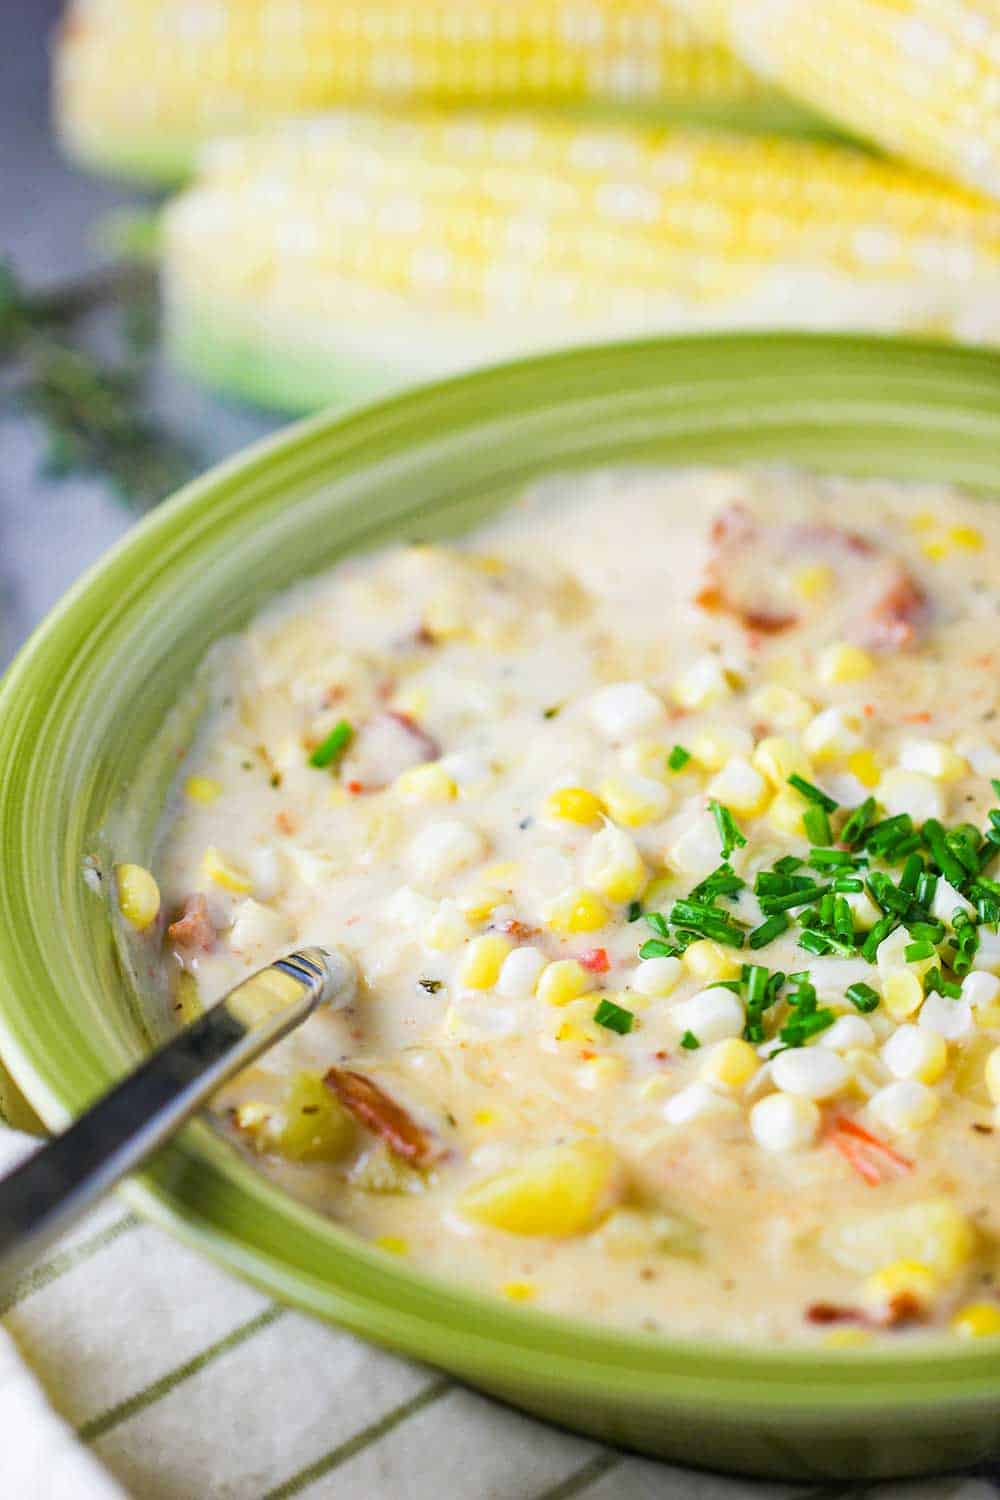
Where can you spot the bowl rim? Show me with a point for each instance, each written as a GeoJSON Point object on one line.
{"type": "Point", "coordinates": [380, 1297]}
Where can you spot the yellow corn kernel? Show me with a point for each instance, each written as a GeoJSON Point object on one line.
{"type": "Point", "coordinates": [484, 1119]}
{"type": "Point", "coordinates": [712, 748]}
{"type": "Point", "coordinates": [968, 537]}
{"type": "Point", "coordinates": [601, 1072]}
{"type": "Point", "coordinates": [730, 1063]}
{"type": "Point", "coordinates": [846, 1338]}
{"type": "Point", "coordinates": [563, 981]}
{"type": "Point", "coordinates": [576, 911]}
{"type": "Point", "coordinates": [186, 1002]}
{"type": "Point", "coordinates": [426, 783]}
{"type": "Point", "coordinates": [777, 758]}
{"type": "Point", "coordinates": [202, 789]}
{"type": "Point", "coordinates": [138, 896]}
{"type": "Point", "coordinates": [902, 993]}
{"type": "Point", "coordinates": [576, 1023]}
{"type": "Point", "coordinates": [923, 520]}
{"type": "Point", "coordinates": [656, 1087]}
{"type": "Point", "coordinates": [782, 707]}
{"type": "Point", "coordinates": [478, 905]}
{"type": "Point", "coordinates": [706, 681]}
{"type": "Point", "coordinates": [977, 1320]}
{"type": "Point", "coordinates": [649, 758]}
{"type": "Point", "coordinates": [992, 1075]}
{"type": "Point", "coordinates": [708, 961]}
{"type": "Point", "coordinates": [558, 1190]}
{"type": "Point", "coordinates": [935, 550]}
{"type": "Point", "coordinates": [482, 961]}
{"type": "Point", "coordinates": [574, 804]}
{"type": "Point", "coordinates": [864, 766]}
{"type": "Point", "coordinates": [393, 1244]}
{"type": "Point", "coordinates": [866, 1073]}
{"type": "Point", "coordinates": [229, 876]}
{"type": "Point", "coordinates": [741, 788]}
{"type": "Point", "coordinates": [519, 1291]}
{"type": "Point", "coordinates": [613, 865]}
{"type": "Point", "coordinates": [843, 662]}
{"type": "Point", "coordinates": [786, 812]}
{"type": "Point", "coordinates": [901, 1278]}
{"type": "Point", "coordinates": [813, 582]}
{"type": "Point", "coordinates": [634, 802]}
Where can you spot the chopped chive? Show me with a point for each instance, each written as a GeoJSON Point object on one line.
{"type": "Point", "coordinates": [736, 985]}
{"type": "Point", "coordinates": [848, 883]}
{"type": "Point", "coordinates": [634, 911]}
{"type": "Point", "coordinates": [914, 952]}
{"type": "Point", "coordinates": [658, 922]}
{"type": "Point", "coordinates": [828, 859]}
{"type": "Point", "coordinates": [926, 886]}
{"type": "Point", "coordinates": [816, 822]}
{"type": "Point", "coordinates": [950, 866]}
{"type": "Point", "coordinates": [678, 758]}
{"type": "Point", "coordinates": [333, 747]}
{"type": "Point", "coordinates": [858, 821]}
{"type": "Point", "coordinates": [814, 942]}
{"type": "Point", "coordinates": [801, 1027]}
{"type": "Point", "coordinates": [771, 904]}
{"type": "Point", "coordinates": [756, 982]}
{"type": "Point", "coordinates": [929, 932]}
{"type": "Point", "coordinates": [657, 948]}
{"type": "Point", "coordinates": [690, 1042]}
{"type": "Point", "coordinates": [788, 864]}
{"type": "Point", "coordinates": [707, 921]}
{"type": "Point", "coordinates": [862, 997]}
{"type": "Point", "coordinates": [768, 931]}
{"type": "Point", "coordinates": [878, 934]}
{"type": "Point", "coordinates": [812, 793]}
{"type": "Point", "coordinates": [880, 837]}
{"type": "Point", "coordinates": [729, 831]}
{"type": "Point", "coordinates": [614, 1017]}
{"type": "Point", "coordinates": [912, 871]}
{"type": "Point", "coordinates": [934, 982]}
{"type": "Point", "coordinates": [723, 881]}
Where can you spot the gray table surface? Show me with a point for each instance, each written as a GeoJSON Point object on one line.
{"type": "Point", "coordinates": [51, 530]}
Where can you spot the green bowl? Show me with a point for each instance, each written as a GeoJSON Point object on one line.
{"type": "Point", "coordinates": [88, 739]}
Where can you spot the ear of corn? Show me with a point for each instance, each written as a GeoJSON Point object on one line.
{"type": "Point", "coordinates": [139, 86]}
{"type": "Point", "coordinates": [353, 253]}
{"type": "Point", "coordinates": [920, 77]}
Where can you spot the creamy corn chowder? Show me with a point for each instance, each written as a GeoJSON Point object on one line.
{"type": "Point", "coordinates": [659, 821]}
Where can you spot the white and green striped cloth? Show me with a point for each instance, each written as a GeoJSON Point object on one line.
{"type": "Point", "coordinates": [133, 1367]}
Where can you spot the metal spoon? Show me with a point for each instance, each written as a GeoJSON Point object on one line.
{"type": "Point", "coordinates": [55, 1186]}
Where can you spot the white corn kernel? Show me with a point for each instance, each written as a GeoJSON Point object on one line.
{"type": "Point", "coordinates": [987, 955]}
{"type": "Point", "coordinates": [947, 900]}
{"type": "Point", "coordinates": [695, 1101]}
{"type": "Point", "coordinates": [911, 792]}
{"type": "Point", "coordinates": [915, 1052]}
{"type": "Point", "coordinates": [904, 1105]}
{"type": "Point", "coordinates": [625, 709]}
{"type": "Point", "coordinates": [696, 851]}
{"type": "Point", "coordinates": [784, 1122]}
{"type": "Point", "coordinates": [846, 1033]}
{"type": "Point", "coordinates": [657, 976]}
{"type": "Point", "coordinates": [441, 849]}
{"type": "Point", "coordinates": [408, 909]}
{"type": "Point", "coordinates": [810, 1072]}
{"type": "Point", "coordinates": [613, 865]}
{"type": "Point", "coordinates": [932, 758]}
{"type": "Point", "coordinates": [259, 929]}
{"type": "Point", "coordinates": [705, 682]}
{"type": "Point", "coordinates": [446, 928]}
{"type": "Point", "coordinates": [843, 662]}
{"type": "Point", "coordinates": [712, 748]}
{"type": "Point", "coordinates": [890, 956]}
{"type": "Point", "coordinates": [648, 757]}
{"type": "Point", "coordinates": [711, 1015]}
{"type": "Point", "coordinates": [950, 1019]}
{"type": "Point", "coordinates": [833, 734]}
{"type": "Point", "coordinates": [520, 973]}
{"type": "Point", "coordinates": [979, 988]}
{"type": "Point", "coordinates": [983, 757]}
{"type": "Point", "coordinates": [740, 787]}
{"type": "Point", "coordinates": [635, 800]}
{"type": "Point", "coordinates": [781, 707]}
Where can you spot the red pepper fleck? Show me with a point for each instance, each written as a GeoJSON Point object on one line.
{"type": "Point", "coordinates": [354, 787]}
{"type": "Point", "coordinates": [596, 960]}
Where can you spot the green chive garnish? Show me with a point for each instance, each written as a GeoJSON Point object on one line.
{"type": "Point", "coordinates": [333, 746]}
{"type": "Point", "coordinates": [634, 911]}
{"type": "Point", "coordinates": [657, 948]}
{"type": "Point", "coordinates": [858, 821]}
{"type": "Point", "coordinates": [812, 793]}
{"type": "Point", "coordinates": [614, 1017]}
{"type": "Point", "coordinates": [914, 952]}
{"type": "Point", "coordinates": [816, 822]}
{"type": "Point", "coordinates": [678, 758]}
{"type": "Point", "coordinates": [728, 828]}
{"type": "Point", "coordinates": [862, 997]}
{"type": "Point", "coordinates": [769, 930]}
{"type": "Point", "coordinates": [690, 1042]}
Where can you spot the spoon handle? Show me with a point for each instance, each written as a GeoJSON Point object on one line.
{"type": "Point", "coordinates": [43, 1196]}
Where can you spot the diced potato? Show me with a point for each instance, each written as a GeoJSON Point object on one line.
{"type": "Point", "coordinates": [311, 1124]}
{"type": "Point", "coordinates": [382, 1171]}
{"type": "Point", "coordinates": [637, 1232]}
{"type": "Point", "coordinates": [558, 1190]}
{"type": "Point", "coordinates": [933, 1232]}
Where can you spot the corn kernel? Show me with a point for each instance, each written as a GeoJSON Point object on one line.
{"type": "Point", "coordinates": [846, 1338]}
{"type": "Point", "coordinates": [425, 783]}
{"type": "Point", "coordinates": [138, 896]}
{"type": "Point", "coordinates": [833, 734]}
{"type": "Point", "coordinates": [709, 961]}
{"type": "Point", "coordinates": [202, 789]}
{"type": "Point", "coordinates": [696, 851]}
{"type": "Point", "coordinates": [902, 791]}
{"type": "Point", "coordinates": [904, 1105]}
{"type": "Point", "coordinates": [413, 701]}
{"type": "Point", "coordinates": [932, 1231]}
{"type": "Point", "coordinates": [864, 767]}
{"type": "Point", "coordinates": [479, 905]}
{"type": "Point", "coordinates": [902, 994]}
{"type": "Point", "coordinates": [935, 550]}
{"type": "Point", "coordinates": [576, 1023]}
{"type": "Point", "coordinates": [968, 537]}
{"type": "Point", "coordinates": [712, 748]}
{"type": "Point", "coordinates": [786, 812]}
{"type": "Point", "coordinates": [784, 1122]}
{"type": "Point", "coordinates": [445, 617]}
{"type": "Point", "coordinates": [923, 520]}
{"type": "Point", "coordinates": [778, 758]}
{"type": "Point", "coordinates": [843, 662]}
{"type": "Point", "coordinates": [563, 981]}
{"type": "Point", "coordinates": [741, 788]}
{"type": "Point", "coordinates": [576, 911]}
{"type": "Point", "coordinates": [656, 977]}
{"type": "Point", "coordinates": [915, 1052]}
{"type": "Point", "coordinates": [393, 1244]}
{"type": "Point", "coordinates": [253, 1116]}
{"type": "Point", "coordinates": [613, 865]}
{"type": "Point", "coordinates": [730, 1064]}
{"type": "Point", "coordinates": [780, 706]}
{"type": "Point", "coordinates": [445, 929]}
{"type": "Point", "coordinates": [229, 876]}
{"type": "Point", "coordinates": [519, 1291]}
{"type": "Point", "coordinates": [482, 961]}
{"type": "Point", "coordinates": [600, 1072]}
{"type": "Point", "coordinates": [625, 709]}
{"type": "Point", "coordinates": [706, 681]}
{"type": "Point", "coordinates": [901, 1278]}
{"type": "Point", "coordinates": [933, 758]}
{"type": "Point", "coordinates": [813, 582]}
{"type": "Point", "coordinates": [635, 800]}
{"type": "Point", "coordinates": [977, 1320]}
{"type": "Point", "coordinates": [992, 1075]}
{"type": "Point", "coordinates": [574, 804]}
{"type": "Point", "coordinates": [648, 758]}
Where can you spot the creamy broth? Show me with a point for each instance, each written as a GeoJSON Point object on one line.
{"type": "Point", "coordinates": [536, 742]}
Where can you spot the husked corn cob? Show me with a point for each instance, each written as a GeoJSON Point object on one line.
{"type": "Point", "coordinates": [359, 252]}
{"type": "Point", "coordinates": [920, 77]}
{"type": "Point", "coordinates": [141, 84]}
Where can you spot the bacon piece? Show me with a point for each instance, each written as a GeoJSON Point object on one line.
{"type": "Point", "coordinates": [384, 747]}
{"type": "Point", "coordinates": [873, 1159]}
{"type": "Point", "coordinates": [193, 929]}
{"type": "Point", "coordinates": [878, 601]}
{"type": "Point", "coordinates": [899, 1310]}
{"type": "Point", "coordinates": [379, 1113]}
